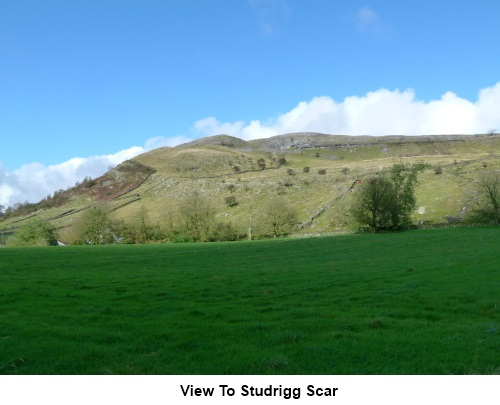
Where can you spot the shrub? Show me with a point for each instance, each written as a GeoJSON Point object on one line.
{"type": "Point", "coordinates": [438, 170]}
{"type": "Point", "coordinates": [282, 160]}
{"type": "Point", "coordinates": [306, 169]}
{"type": "Point", "coordinates": [231, 201]}
{"type": "Point", "coordinates": [95, 227]}
{"type": "Point", "coordinates": [280, 218]}
{"type": "Point", "coordinates": [290, 172]}
{"type": "Point", "coordinates": [36, 232]}
{"type": "Point", "coordinates": [322, 171]}
{"type": "Point", "coordinates": [224, 231]}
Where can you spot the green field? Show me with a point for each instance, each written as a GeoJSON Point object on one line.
{"type": "Point", "coordinates": [419, 302]}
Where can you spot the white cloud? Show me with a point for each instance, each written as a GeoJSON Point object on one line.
{"type": "Point", "coordinates": [381, 112]}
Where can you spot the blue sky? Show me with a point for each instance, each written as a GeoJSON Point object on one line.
{"type": "Point", "coordinates": [85, 84]}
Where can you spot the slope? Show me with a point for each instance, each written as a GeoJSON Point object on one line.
{"type": "Point", "coordinates": [313, 172]}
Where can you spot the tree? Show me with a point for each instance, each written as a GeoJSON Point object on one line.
{"type": "Point", "coordinates": [36, 232]}
{"type": "Point", "coordinates": [373, 204]}
{"type": "Point", "coordinates": [197, 218]}
{"type": "Point", "coordinates": [280, 218]}
{"type": "Point", "coordinates": [95, 227]}
{"type": "Point", "coordinates": [404, 179]}
{"type": "Point", "coordinates": [487, 208]}
{"type": "Point", "coordinates": [386, 202]}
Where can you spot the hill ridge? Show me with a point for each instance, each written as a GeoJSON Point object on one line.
{"type": "Point", "coordinates": [309, 140]}
{"type": "Point", "coordinates": [313, 172]}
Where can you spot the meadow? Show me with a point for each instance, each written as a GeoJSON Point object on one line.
{"type": "Point", "coordinates": [417, 302]}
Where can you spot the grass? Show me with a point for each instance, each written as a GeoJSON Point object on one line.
{"type": "Point", "coordinates": [420, 302]}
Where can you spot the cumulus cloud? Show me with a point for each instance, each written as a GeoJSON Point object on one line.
{"type": "Point", "coordinates": [381, 112]}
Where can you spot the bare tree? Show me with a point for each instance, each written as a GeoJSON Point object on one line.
{"type": "Point", "coordinates": [488, 204]}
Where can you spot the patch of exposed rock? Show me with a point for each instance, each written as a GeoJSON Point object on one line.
{"type": "Point", "coordinates": [314, 140]}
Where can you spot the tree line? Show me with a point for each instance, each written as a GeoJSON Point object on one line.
{"type": "Point", "coordinates": [384, 202]}
{"type": "Point", "coordinates": [56, 199]}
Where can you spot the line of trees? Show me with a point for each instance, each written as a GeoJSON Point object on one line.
{"type": "Point", "coordinates": [384, 202]}
{"type": "Point", "coordinates": [56, 199]}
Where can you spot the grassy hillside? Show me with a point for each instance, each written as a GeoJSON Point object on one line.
{"type": "Point", "coordinates": [159, 181]}
{"type": "Point", "coordinates": [418, 302]}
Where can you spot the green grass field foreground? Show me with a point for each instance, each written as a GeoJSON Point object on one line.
{"type": "Point", "coordinates": [419, 302]}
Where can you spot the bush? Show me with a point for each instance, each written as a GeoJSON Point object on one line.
{"type": "Point", "coordinates": [36, 232]}
{"type": "Point", "coordinates": [306, 169]}
{"type": "Point", "coordinates": [224, 231]}
{"type": "Point", "coordinates": [322, 171]}
{"type": "Point", "coordinates": [95, 227]}
{"type": "Point", "coordinates": [280, 218]}
{"type": "Point", "coordinates": [282, 161]}
{"type": "Point", "coordinates": [290, 172]}
{"type": "Point", "coordinates": [438, 170]}
{"type": "Point", "coordinates": [231, 201]}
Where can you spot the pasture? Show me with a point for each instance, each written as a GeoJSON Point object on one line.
{"type": "Point", "coordinates": [418, 302]}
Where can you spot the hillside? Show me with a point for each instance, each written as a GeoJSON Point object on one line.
{"type": "Point", "coordinates": [259, 171]}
